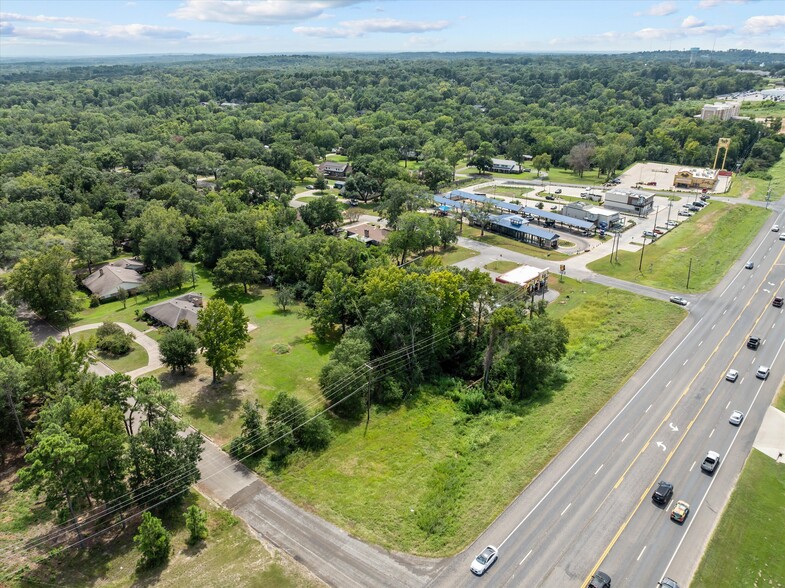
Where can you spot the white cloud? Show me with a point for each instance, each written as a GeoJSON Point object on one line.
{"type": "Point", "coordinates": [662, 9]}
{"type": "Point", "coordinates": [359, 28]}
{"type": "Point", "coordinates": [255, 12]}
{"type": "Point", "coordinates": [762, 25]}
{"type": "Point", "coordinates": [692, 21]}
{"type": "Point", "coordinates": [16, 17]}
{"type": "Point", "coordinates": [611, 38]}
{"type": "Point", "coordinates": [131, 32]}
{"type": "Point", "coordinates": [713, 3]}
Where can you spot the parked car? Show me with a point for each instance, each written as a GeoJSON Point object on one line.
{"type": "Point", "coordinates": [736, 417]}
{"type": "Point", "coordinates": [558, 190]}
{"type": "Point", "coordinates": [680, 511]}
{"type": "Point", "coordinates": [649, 234]}
{"type": "Point", "coordinates": [485, 560]}
{"type": "Point", "coordinates": [732, 375]}
{"type": "Point", "coordinates": [671, 224]}
{"type": "Point", "coordinates": [353, 203]}
{"type": "Point", "coordinates": [554, 208]}
{"type": "Point", "coordinates": [679, 300]}
{"type": "Point", "coordinates": [763, 372]}
{"type": "Point", "coordinates": [749, 265]}
{"type": "Point", "coordinates": [684, 213]}
{"type": "Point", "coordinates": [663, 492]}
{"type": "Point", "coordinates": [710, 462]}
{"type": "Point", "coordinates": [777, 301]}
{"type": "Point", "coordinates": [527, 170]}
{"type": "Point", "coordinates": [550, 197]}
{"type": "Point", "coordinates": [600, 580]}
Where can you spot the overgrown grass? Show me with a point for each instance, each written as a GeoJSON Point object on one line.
{"type": "Point", "coordinates": [746, 546]}
{"type": "Point", "coordinates": [763, 109]}
{"type": "Point", "coordinates": [744, 186]}
{"type": "Point", "coordinates": [501, 266]}
{"type": "Point", "coordinates": [411, 483]}
{"type": "Point", "coordinates": [713, 239]}
{"type": "Point", "coordinates": [229, 556]}
{"type": "Point", "coordinates": [511, 244]}
{"type": "Point", "coordinates": [555, 176]}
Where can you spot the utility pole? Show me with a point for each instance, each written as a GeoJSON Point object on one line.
{"type": "Point", "coordinates": [640, 265]}
{"type": "Point", "coordinates": [768, 195]}
{"type": "Point", "coordinates": [368, 401]}
{"type": "Point", "coordinates": [670, 206]}
{"type": "Point", "coordinates": [689, 273]}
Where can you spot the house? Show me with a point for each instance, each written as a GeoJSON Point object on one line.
{"type": "Point", "coordinates": [505, 166]}
{"type": "Point", "coordinates": [368, 234]}
{"type": "Point", "coordinates": [171, 312]}
{"type": "Point", "coordinates": [335, 169]}
{"type": "Point", "coordinates": [106, 281]}
{"type": "Point", "coordinates": [631, 201]}
{"type": "Point", "coordinates": [703, 179]}
{"type": "Point", "coordinates": [531, 279]}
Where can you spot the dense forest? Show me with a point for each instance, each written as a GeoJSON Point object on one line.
{"type": "Point", "coordinates": [96, 160]}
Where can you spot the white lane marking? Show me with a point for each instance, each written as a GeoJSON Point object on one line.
{"type": "Point", "coordinates": [740, 381]}
{"type": "Point", "coordinates": [669, 383]}
{"type": "Point", "coordinates": [712, 433]}
{"type": "Point", "coordinates": [714, 325]}
{"type": "Point", "coordinates": [774, 325]}
{"type": "Point", "coordinates": [647, 410]}
{"type": "Point", "coordinates": [753, 361]}
{"type": "Point", "coordinates": [566, 509]}
{"type": "Point", "coordinates": [623, 438]}
{"type": "Point", "coordinates": [685, 362]}
{"type": "Point", "coordinates": [597, 438]}
{"type": "Point", "coordinates": [727, 405]}
{"type": "Point", "coordinates": [602, 464]}
{"type": "Point", "coordinates": [669, 505]}
{"type": "Point", "coordinates": [693, 465]}
{"type": "Point", "coordinates": [525, 556]}
{"type": "Point", "coordinates": [724, 311]}
{"type": "Point", "coordinates": [701, 343]}
{"type": "Point", "coordinates": [641, 553]}
{"type": "Point", "coordinates": [734, 299]}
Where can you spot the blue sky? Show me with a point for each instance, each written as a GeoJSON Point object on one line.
{"type": "Point", "coordinates": [107, 27]}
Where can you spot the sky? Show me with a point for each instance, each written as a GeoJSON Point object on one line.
{"type": "Point", "coordinates": [66, 28]}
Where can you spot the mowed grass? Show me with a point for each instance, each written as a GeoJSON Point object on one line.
{"type": "Point", "coordinates": [136, 358]}
{"type": "Point", "coordinates": [746, 548]}
{"type": "Point", "coordinates": [713, 239]}
{"type": "Point", "coordinates": [455, 254]}
{"type": "Point", "coordinates": [554, 175]}
{"type": "Point", "coordinates": [779, 399]}
{"type": "Point", "coordinates": [412, 482]}
{"type": "Point", "coordinates": [744, 186]}
{"type": "Point", "coordinates": [501, 266]}
{"type": "Point", "coordinates": [511, 244]}
{"type": "Point", "coordinates": [230, 555]}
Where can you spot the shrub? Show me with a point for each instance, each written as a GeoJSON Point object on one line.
{"type": "Point", "coordinates": [113, 340]}
{"type": "Point", "coordinates": [95, 301]}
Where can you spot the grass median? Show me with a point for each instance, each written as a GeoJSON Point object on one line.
{"type": "Point", "coordinates": [713, 240]}
{"type": "Point", "coordinates": [746, 548]}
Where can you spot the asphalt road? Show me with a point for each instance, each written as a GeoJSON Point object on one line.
{"type": "Point", "coordinates": [591, 508]}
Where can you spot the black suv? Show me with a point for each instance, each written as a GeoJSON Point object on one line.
{"type": "Point", "coordinates": [777, 301]}
{"type": "Point", "coordinates": [600, 580]}
{"type": "Point", "coordinates": [753, 343]}
{"type": "Point", "coordinates": [663, 493]}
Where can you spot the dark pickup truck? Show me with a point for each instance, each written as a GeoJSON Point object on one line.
{"type": "Point", "coordinates": [753, 343]}
{"type": "Point", "coordinates": [663, 492]}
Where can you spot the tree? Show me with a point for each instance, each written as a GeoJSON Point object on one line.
{"type": "Point", "coordinates": [483, 163]}
{"type": "Point", "coordinates": [284, 296]}
{"type": "Point", "coordinates": [322, 213]}
{"type": "Point", "coordinates": [196, 523]}
{"type": "Point", "coordinates": [447, 230]}
{"type": "Point", "coordinates": [580, 157]}
{"type": "Point", "coordinates": [346, 366]}
{"type": "Point", "coordinates": [454, 154]}
{"type": "Point", "coordinates": [399, 197]}
{"type": "Point", "coordinates": [320, 183]}
{"type": "Point", "coordinates": [361, 186]}
{"type": "Point", "coordinates": [92, 240]}
{"type": "Point", "coordinates": [416, 232]}
{"type": "Point", "coordinates": [516, 150]}
{"type": "Point", "coordinates": [153, 541]}
{"type": "Point", "coordinates": [240, 267]}
{"type": "Point", "coordinates": [179, 349]}
{"type": "Point", "coordinates": [609, 157]}
{"type": "Point", "coordinates": [435, 172]}
{"type": "Point", "coordinates": [112, 339]}
{"type": "Point", "coordinates": [541, 162]}
{"type": "Point", "coordinates": [15, 339]}
{"type": "Point", "coordinates": [122, 296]}
{"type": "Point", "coordinates": [160, 234]}
{"type": "Point", "coordinates": [223, 332]}
{"type": "Point", "coordinates": [15, 389]}
{"type": "Point", "coordinates": [45, 283]}
{"type": "Point", "coordinates": [302, 169]}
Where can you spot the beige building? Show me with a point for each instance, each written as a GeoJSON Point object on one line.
{"type": "Point", "coordinates": [703, 179]}
{"type": "Point", "coordinates": [720, 111]}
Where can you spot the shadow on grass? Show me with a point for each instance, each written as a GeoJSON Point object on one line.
{"type": "Point", "coordinates": [232, 294]}
{"type": "Point", "coordinates": [321, 347]}
{"type": "Point", "coordinates": [216, 402]}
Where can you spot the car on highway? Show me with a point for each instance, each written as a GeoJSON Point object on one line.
{"type": "Point", "coordinates": [782, 236]}
{"type": "Point", "coordinates": [749, 265]}
{"type": "Point", "coordinates": [710, 462]}
{"type": "Point", "coordinates": [753, 343]}
{"type": "Point", "coordinates": [732, 375]}
{"type": "Point", "coordinates": [600, 580]}
{"type": "Point", "coordinates": [668, 583]}
{"type": "Point", "coordinates": [678, 300]}
{"type": "Point", "coordinates": [663, 492]}
{"type": "Point", "coordinates": [485, 560]}
{"type": "Point", "coordinates": [736, 417]}
{"type": "Point", "coordinates": [775, 229]}
{"type": "Point", "coordinates": [777, 301]}
{"type": "Point", "coordinates": [763, 372]}
{"type": "Point", "coordinates": [680, 511]}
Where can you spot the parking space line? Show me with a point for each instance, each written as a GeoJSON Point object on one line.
{"type": "Point", "coordinates": [727, 405]}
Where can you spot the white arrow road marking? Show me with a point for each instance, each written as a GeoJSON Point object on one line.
{"type": "Point", "coordinates": [673, 427]}
{"type": "Point", "coordinates": [661, 445]}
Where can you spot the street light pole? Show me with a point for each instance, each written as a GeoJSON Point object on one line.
{"type": "Point", "coordinates": [640, 265]}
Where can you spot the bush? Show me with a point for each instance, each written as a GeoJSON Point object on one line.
{"type": "Point", "coordinates": [113, 340]}
{"type": "Point", "coordinates": [153, 541]}
{"type": "Point", "coordinates": [95, 301]}
{"type": "Point", "coordinates": [472, 401]}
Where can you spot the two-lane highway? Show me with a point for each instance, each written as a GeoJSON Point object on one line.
{"type": "Point", "coordinates": [591, 508]}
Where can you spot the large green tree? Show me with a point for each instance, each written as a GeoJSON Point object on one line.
{"type": "Point", "coordinates": [153, 541]}
{"type": "Point", "coordinates": [92, 240]}
{"type": "Point", "coordinates": [45, 283]}
{"type": "Point", "coordinates": [179, 349]}
{"type": "Point", "coordinates": [160, 234]}
{"type": "Point", "coordinates": [240, 267]}
{"type": "Point", "coordinates": [223, 332]}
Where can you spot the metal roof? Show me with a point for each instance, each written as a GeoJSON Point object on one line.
{"type": "Point", "coordinates": [505, 220]}
{"type": "Point", "coordinates": [559, 218]}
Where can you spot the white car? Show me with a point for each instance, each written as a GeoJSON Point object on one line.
{"type": "Point", "coordinates": [775, 229]}
{"type": "Point", "coordinates": [671, 224]}
{"type": "Point", "coordinates": [763, 372]}
{"type": "Point", "coordinates": [485, 560]}
{"type": "Point", "coordinates": [732, 375]}
{"type": "Point", "coordinates": [736, 418]}
{"type": "Point", "coordinates": [782, 236]}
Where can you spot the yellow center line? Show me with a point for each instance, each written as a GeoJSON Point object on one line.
{"type": "Point", "coordinates": [686, 430]}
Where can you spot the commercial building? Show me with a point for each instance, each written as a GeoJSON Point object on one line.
{"type": "Point", "coordinates": [599, 216]}
{"type": "Point", "coordinates": [720, 111]}
{"type": "Point", "coordinates": [530, 278]}
{"type": "Point", "coordinates": [696, 178]}
{"type": "Point", "coordinates": [629, 201]}
{"type": "Point", "coordinates": [520, 229]}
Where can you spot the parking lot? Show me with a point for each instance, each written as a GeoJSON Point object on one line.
{"type": "Point", "coordinates": [659, 176]}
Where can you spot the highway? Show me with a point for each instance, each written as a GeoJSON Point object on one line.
{"type": "Point", "coordinates": [591, 507]}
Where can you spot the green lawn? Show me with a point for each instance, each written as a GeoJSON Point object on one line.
{"type": "Point", "coordinates": [746, 546]}
{"type": "Point", "coordinates": [136, 358]}
{"type": "Point", "coordinates": [511, 244]}
{"type": "Point", "coordinates": [763, 109]}
{"type": "Point", "coordinates": [455, 254]}
{"type": "Point", "coordinates": [419, 463]}
{"type": "Point", "coordinates": [334, 157]}
{"type": "Point", "coordinates": [555, 176]}
{"type": "Point", "coordinates": [308, 198]}
{"type": "Point", "coordinates": [713, 239]}
{"type": "Point", "coordinates": [744, 186]}
{"type": "Point", "coordinates": [779, 400]}
{"type": "Point", "coordinates": [507, 191]}
{"type": "Point", "coordinates": [229, 556]}
{"type": "Point", "coordinates": [501, 266]}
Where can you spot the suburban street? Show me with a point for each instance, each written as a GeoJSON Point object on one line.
{"type": "Point", "coordinates": [591, 508]}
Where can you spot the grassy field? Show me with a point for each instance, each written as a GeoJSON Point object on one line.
{"type": "Point", "coordinates": [455, 254]}
{"type": "Point", "coordinates": [511, 244]}
{"type": "Point", "coordinates": [335, 157]}
{"type": "Point", "coordinates": [410, 483]}
{"type": "Point", "coordinates": [229, 556]}
{"type": "Point", "coordinates": [763, 109]}
{"type": "Point", "coordinates": [755, 188]}
{"type": "Point", "coordinates": [507, 191]}
{"type": "Point", "coordinates": [746, 547]}
{"type": "Point", "coordinates": [779, 399]}
{"type": "Point", "coordinates": [132, 360]}
{"type": "Point", "coordinates": [501, 266]}
{"type": "Point", "coordinates": [713, 239]}
{"type": "Point", "coordinates": [555, 176]}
